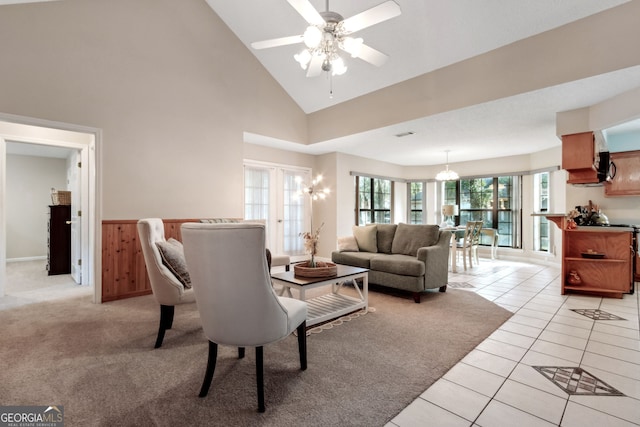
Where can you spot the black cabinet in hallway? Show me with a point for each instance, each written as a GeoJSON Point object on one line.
{"type": "Point", "coordinates": [59, 256]}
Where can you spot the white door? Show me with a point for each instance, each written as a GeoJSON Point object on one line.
{"type": "Point", "coordinates": [272, 193]}
{"type": "Point", "coordinates": [73, 185]}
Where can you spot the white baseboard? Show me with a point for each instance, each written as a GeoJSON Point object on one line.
{"type": "Point", "coordinates": [29, 258]}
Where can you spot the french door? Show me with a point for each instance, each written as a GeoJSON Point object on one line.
{"type": "Point", "coordinates": [272, 193]}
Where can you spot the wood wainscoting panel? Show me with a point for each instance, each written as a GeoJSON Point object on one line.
{"type": "Point", "coordinates": [124, 274]}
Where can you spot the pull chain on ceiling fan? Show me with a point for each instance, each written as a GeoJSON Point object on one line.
{"type": "Point", "coordinates": [329, 33]}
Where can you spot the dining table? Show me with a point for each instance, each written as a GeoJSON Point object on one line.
{"type": "Point", "coordinates": [457, 233]}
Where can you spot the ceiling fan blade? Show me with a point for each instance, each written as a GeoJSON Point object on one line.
{"type": "Point", "coordinates": [315, 66]}
{"type": "Point", "coordinates": [372, 56]}
{"type": "Point", "coordinates": [282, 41]}
{"type": "Point", "coordinates": [375, 15]}
{"type": "Point", "coordinates": [308, 12]}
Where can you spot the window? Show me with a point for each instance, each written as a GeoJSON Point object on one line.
{"type": "Point", "coordinates": [541, 204]}
{"type": "Point", "coordinates": [373, 200]}
{"type": "Point", "coordinates": [417, 203]}
{"type": "Point", "coordinates": [493, 200]}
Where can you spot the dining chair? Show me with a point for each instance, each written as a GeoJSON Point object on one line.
{"type": "Point", "coordinates": [468, 244]}
{"type": "Point", "coordinates": [165, 266]}
{"type": "Point", "coordinates": [475, 241]}
{"type": "Point", "coordinates": [236, 301]}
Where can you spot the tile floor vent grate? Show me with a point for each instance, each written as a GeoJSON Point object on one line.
{"type": "Point", "coordinates": [460, 285]}
{"type": "Point", "coordinates": [577, 381]}
{"type": "Point", "coordinates": [596, 314]}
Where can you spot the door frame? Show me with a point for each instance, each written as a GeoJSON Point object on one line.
{"type": "Point", "coordinates": [32, 130]}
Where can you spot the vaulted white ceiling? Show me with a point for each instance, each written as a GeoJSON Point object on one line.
{"type": "Point", "coordinates": [428, 35]}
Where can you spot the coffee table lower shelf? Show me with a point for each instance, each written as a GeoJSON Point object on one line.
{"type": "Point", "coordinates": [331, 306]}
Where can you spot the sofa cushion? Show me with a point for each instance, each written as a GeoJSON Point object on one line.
{"type": "Point", "coordinates": [366, 237]}
{"type": "Point", "coordinates": [410, 237]}
{"type": "Point", "coordinates": [355, 259]}
{"type": "Point", "coordinates": [385, 235]}
{"type": "Point", "coordinates": [172, 254]}
{"type": "Point", "coordinates": [404, 265]}
{"type": "Point", "coordinates": [347, 244]}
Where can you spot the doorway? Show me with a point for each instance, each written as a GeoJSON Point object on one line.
{"type": "Point", "coordinates": [82, 142]}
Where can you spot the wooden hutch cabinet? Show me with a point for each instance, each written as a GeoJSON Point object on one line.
{"type": "Point", "coordinates": [59, 256]}
{"type": "Point", "coordinates": [611, 274]}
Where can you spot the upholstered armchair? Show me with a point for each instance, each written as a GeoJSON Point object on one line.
{"type": "Point", "coordinates": [166, 271]}
{"type": "Point", "coordinates": [237, 303]}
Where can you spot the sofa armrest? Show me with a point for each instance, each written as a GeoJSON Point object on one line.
{"type": "Point", "coordinates": [436, 260]}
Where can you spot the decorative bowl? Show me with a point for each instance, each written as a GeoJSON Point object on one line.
{"type": "Point", "coordinates": [322, 269]}
{"type": "Point", "coordinates": [592, 255]}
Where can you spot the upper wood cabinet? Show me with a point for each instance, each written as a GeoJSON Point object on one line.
{"type": "Point", "coordinates": [626, 181]}
{"type": "Point", "coordinates": [578, 154]}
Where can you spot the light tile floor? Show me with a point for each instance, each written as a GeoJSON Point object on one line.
{"type": "Point", "coordinates": [497, 385]}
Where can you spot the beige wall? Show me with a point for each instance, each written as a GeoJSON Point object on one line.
{"type": "Point", "coordinates": [28, 195]}
{"type": "Point", "coordinates": [169, 85]}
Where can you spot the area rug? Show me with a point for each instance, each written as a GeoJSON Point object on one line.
{"type": "Point", "coordinates": [98, 362]}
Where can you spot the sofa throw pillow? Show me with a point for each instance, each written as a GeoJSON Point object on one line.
{"type": "Point", "coordinates": [348, 244]}
{"type": "Point", "coordinates": [366, 238]}
{"type": "Point", "coordinates": [411, 237]}
{"type": "Point", "coordinates": [385, 237]}
{"type": "Point", "coordinates": [172, 254]}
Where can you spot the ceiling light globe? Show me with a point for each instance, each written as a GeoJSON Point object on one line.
{"type": "Point", "coordinates": [338, 67]}
{"type": "Point", "coordinates": [303, 58]}
{"type": "Point", "coordinates": [312, 37]}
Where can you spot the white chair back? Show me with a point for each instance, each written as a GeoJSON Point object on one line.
{"type": "Point", "coordinates": [232, 285]}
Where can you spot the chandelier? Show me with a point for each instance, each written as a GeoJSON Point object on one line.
{"type": "Point", "coordinates": [447, 174]}
{"type": "Point", "coordinates": [323, 42]}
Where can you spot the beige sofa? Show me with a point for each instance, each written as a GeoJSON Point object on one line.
{"type": "Point", "coordinates": [409, 257]}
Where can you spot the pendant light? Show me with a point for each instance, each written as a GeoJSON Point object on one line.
{"type": "Point", "coordinates": [447, 175]}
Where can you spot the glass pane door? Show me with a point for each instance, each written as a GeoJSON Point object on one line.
{"type": "Point", "coordinates": [295, 208]}
{"type": "Point", "coordinates": [272, 193]}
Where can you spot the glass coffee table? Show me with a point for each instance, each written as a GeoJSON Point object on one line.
{"type": "Point", "coordinates": [331, 305]}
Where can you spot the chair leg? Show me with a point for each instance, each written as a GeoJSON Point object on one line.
{"type": "Point", "coordinates": [240, 352]}
{"type": "Point", "coordinates": [211, 367]}
{"type": "Point", "coordinates": [464, 259]}
{"type": "Point", "coordinates": [302, 345]}
{"type": "Point", "coordinates": [166, 322]}
{"type": "Point", "coordinates": [260, 378]}
{"type": "Point", "coordinates": [416, 297]}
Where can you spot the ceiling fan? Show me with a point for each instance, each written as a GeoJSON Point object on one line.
{"type": "Point", "coordinates": [328, 33]}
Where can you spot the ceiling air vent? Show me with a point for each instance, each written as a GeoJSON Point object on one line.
{"type": "Point", "coordinates": [400, 135]}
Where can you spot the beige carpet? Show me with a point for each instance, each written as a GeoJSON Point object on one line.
{"type": "Point", "coordinates": [98, 362]}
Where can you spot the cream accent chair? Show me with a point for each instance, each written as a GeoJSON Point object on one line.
{"type": "Point", "coordinates": [237, 304]}
{"type": "Point", "coordinates": [167, 289]}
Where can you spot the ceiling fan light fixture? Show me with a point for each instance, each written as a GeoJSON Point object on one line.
{"type": "Point", "coordinates": [328, 33]}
